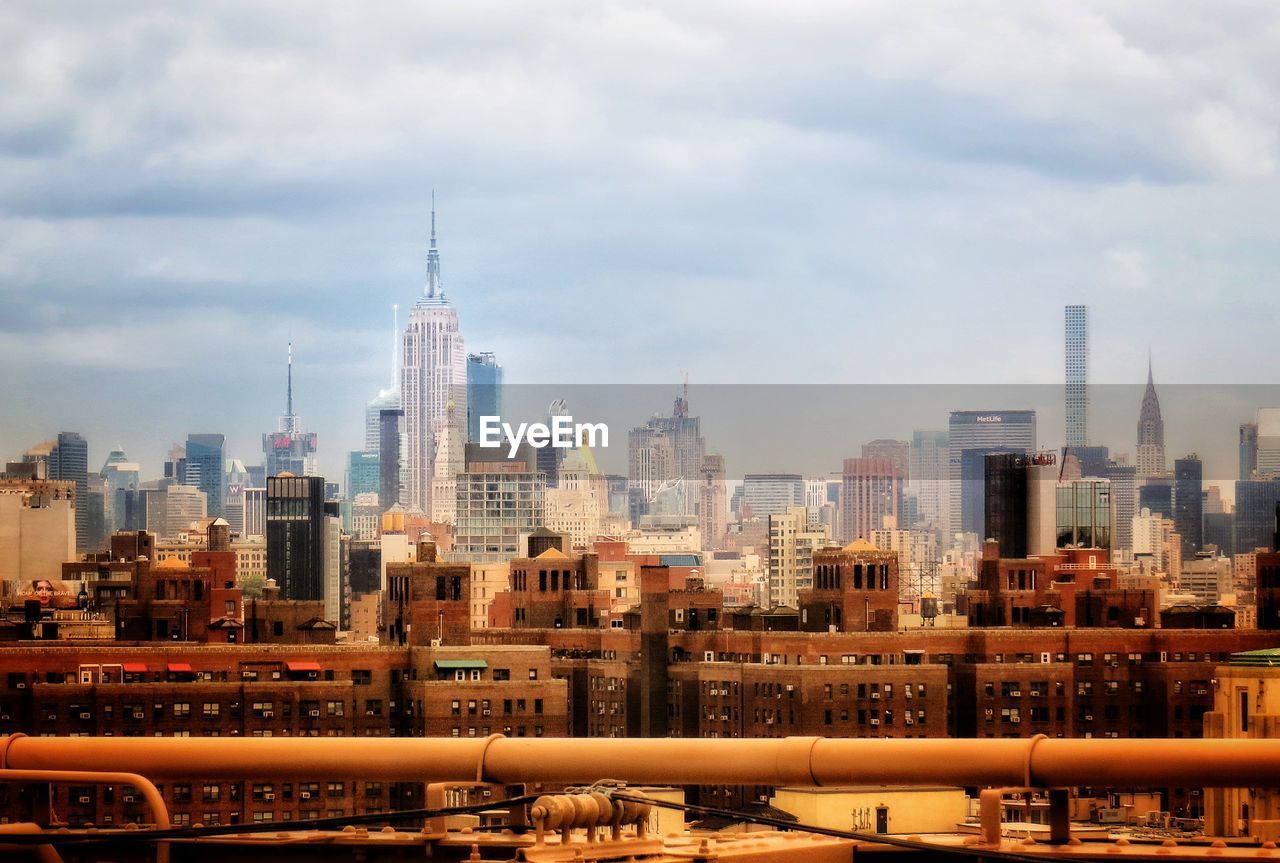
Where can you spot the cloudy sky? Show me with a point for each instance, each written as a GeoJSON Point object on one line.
{"type": "Point", "coordinates": [744, 191]}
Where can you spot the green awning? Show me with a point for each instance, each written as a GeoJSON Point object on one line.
{"type": "Point", "coordinates": [1266, 657]}
{"type": "Point", "coordinates": [455, 664]}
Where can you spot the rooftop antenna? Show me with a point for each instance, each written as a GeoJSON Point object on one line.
{"type": "Point", "coordinates": [433, 256]}
{"type": "Point", "coordinates": [395, 343]}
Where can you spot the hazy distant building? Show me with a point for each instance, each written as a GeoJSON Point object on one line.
{"type": "Point", "coordinates": [929, 477]}
{"type": "Point", "coordinates": [1219, 532]}
{"type": "Point", "coordinates": [1157, 495]}
{"type": "Point", "coordinates": [898, 452]}
{"type": "Point", "coordinates": [1188, 504]}
{"type": "Point", "coordinates": [236, 480]}
{"type": "Point", "coordinates": [971, 435]}
{"type": "Point", "coordinates": [363, 473]}
{"type": "Point", "coordinates": [296, 535]}
{"type": "Point", "coordinates": [203, 467]}
{"type": "Point", "coordinates": [666, 449]}
{"type": "Point", "coordinates": [1077, 375]}
{"type": "Point", "coordinates": [1255, 513]}
{"type": "Point", "coordinates": [1124, 499]}
{"type": "Point", "coordinates": [171, 510]}
{"type": "Point", "coordinates": [1268, 457]}
{"type": "Point", "coordinates": [870, 492]}
{"type": "Point", "coordinates": [433, 380]}
{"type": "Point", "coordinates": [120, 478]}
{"type": "Point", "coordinates": [1248, 450]}
{"type": "Point", "coordinates": [772, 493]}
{"type": "Point", "coordinates": [484, 391]}
{"type": "Point", "coordinates": [713, 505]}
{"type": "Point", "coordinates": [289, 449]}
{"type": "Point", "coordinates": [1151, 461]}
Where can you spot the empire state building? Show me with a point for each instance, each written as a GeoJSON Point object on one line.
{"type": "Point", "coordinates": [433, 373]}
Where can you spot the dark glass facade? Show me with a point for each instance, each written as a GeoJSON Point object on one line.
{"type": "Point", "coordinates": [295, 535]}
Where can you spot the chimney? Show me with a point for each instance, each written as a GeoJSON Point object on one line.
{"type": "Point", "coordinates": [991, 550]}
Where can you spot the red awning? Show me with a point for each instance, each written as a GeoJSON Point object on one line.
{"type": "Point", "coordinates": [181, 667]}
{"type": "Point", "coordinates": [135, 667]}
{"type": "Point", "coordinates": [302, 666]}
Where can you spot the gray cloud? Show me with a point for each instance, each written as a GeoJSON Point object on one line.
{"type": "Point", "coordinates": [744, 190]}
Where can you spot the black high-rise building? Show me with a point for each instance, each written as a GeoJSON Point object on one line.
{"type": "Point", "coordinates": [390, 429]}
{"type": "Point", "coordinates": [1248, 450]}
{"type": "Point", "coordinates": [295, 535]}
{"type": "Point", "coordinates": [1188, 504]}
{"type": "Point", "coordinates": [1157, 496]}
{"type": "Point", "coordinates": [1256, 502]}
{"type": "Point", "coordinates": [1093, 460]}
{"type": "Point", "coordinates": [1005, 502]}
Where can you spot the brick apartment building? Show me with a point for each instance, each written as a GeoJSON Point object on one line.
{"type": "Point", "coordinates": [269, 691]}
{"type": "Point", "coordinates": [678, 665]}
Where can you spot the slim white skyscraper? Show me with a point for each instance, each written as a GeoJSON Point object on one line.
{"type": "Point", "coordinates": [388, 399]}
{"type": "Point", "coordinates": [433, 369]}
{"type": "Point", "coordinates": [1077, 375]}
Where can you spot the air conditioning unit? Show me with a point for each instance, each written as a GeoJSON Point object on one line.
{"type": "Point", "coordinates": [1035, 693]}
{"type": "Point", "coordinates": [85, 799]}
{"type": "Point", "coordinates": [486, 712]}
{"type": "Point", "coordinates": [875, 696]}
{"type": "Point", "coordinates": [130, 798]}
{"type": "Point", "coordinates": [90, 715]}
{"type": "Point", "coordinates": [875, 721]}
{"type": "Point", "coordinates": [305, 795]}
{"type": "Point", "coordinates": [269, 796]}
{"type": "Point", "coordinates": [1015, 719]}
{"type": "Point", "coordinates": [708, 656]}
{"type": "Point", "coordinates": [22, 686]}
{"type": "Point", "coordinates": [435, 642]}
{"type": "Point", "coordinates": [1202, 692]}
{"type": "Point", "coordinates": [1088, 717]}
{"type": "Point", "coordinates": [268, 714]}
{"type": "Point", "coordinates": [313, 713]}
{"type": "Point", "coordinates": [909, 720]}
{"type": "Point", "coordinates": [1016, 693]}
{"type": "Point", "coordinates": [4, 716]}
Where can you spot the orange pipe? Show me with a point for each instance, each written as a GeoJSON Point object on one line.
{"type": "Point", "coordinates": [42, 853]}
{"type": "Point", "coordinates": [1035, 762]}
{"type": "Point", "coordinates": [159, 812]}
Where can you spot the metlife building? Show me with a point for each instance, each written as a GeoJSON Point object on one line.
{"type": "Point", "coordinates": [973, 435]}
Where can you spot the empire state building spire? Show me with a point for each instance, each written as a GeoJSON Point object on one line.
{"type": "Point", "coordinates": [433, 289]}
